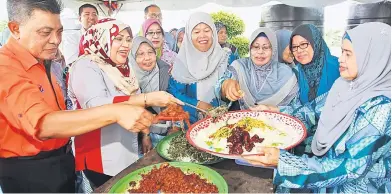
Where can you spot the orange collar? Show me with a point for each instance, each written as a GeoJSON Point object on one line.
{"type": "Point", "coordinates": [22, 54]}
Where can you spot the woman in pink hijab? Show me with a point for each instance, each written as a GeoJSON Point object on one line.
{"type": "Point", "coordinates": [153, 31]}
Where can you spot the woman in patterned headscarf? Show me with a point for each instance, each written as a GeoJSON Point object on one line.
{"type": "Point", "coordinates": [222, 39]}
{"type": "Point", "coordinates": [352, 144]}
{"type": "Point", "coordinates": [103, 76]}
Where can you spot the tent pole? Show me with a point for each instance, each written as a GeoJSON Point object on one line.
{"type": "Point", "coordinates": [110, 12]}
{"type": "Point", "coordinates": [118, 10]}
{"type": "Point", "coordinates": [99, 5]}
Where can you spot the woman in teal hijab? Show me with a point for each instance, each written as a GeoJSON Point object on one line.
{"type": "Point", "coordinates": [317, 71]}
{"type": "Point", "coordinates": [352, 145]}
{"type": "Point", "coordinates": [317, 68]}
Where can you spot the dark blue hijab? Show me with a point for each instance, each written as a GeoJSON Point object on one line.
{"type": "Point", "coordinates": [317, 77]}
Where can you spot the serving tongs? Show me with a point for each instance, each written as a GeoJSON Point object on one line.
{"type": "Point", "coordinates": [195, 107]}
{"type": "Point", "coordinates": [215, 112]}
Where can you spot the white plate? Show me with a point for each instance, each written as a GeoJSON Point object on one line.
{"type": "Point", "coordinates": [294, 129]}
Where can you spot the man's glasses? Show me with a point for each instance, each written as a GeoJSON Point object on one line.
{"type": "Point", "coordinates": [155, 15]}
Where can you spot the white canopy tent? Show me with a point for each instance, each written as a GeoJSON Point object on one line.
{"type": "Point", "coordinates": [176, 11]}
{"type": "Point", "coordinates": [138, 5]}
{"type": "Point", "coordinates": [133, 9]}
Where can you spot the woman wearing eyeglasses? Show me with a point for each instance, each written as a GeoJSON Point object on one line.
{"type": "Point", "coordinates": [317, 71]}
{"type": "Point", "coordinates": [317, 68]}
{"type": "Point", "coordinates": [260, 78]}
{"type": "Point", "coordinates": [352, 144]}
{"type": "Point", "coordinates": [153, 31]}
{"type": "Point", "coordinates": [152, 75]}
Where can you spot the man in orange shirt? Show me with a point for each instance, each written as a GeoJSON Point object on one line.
{"type": "Point", "coordinates": [35, 152]}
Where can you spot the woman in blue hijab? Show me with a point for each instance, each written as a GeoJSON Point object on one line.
{"type": "Point", "coordinates": [317, 68]}
{"type": "Point", "coordinates": [284, 53]}
{"type": "Point", "coordinates": [317, 71]}
{"type": "Point", "coordinates": [352, 144]}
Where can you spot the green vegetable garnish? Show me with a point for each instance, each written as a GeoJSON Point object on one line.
{"type": "Point", "coordinates": [250, 123]}
{"type": "Point", "coordinates": [282, 134]}
{"type": "Point", "coordinates": [276, 144]}
{"type": "Point", "coordinates": [218, 149]}
{"type": "Point", "coordinates": [223, 132]}
{"type": "Point", "coordinates": [180, 148]}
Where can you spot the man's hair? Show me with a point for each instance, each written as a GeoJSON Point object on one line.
{"type": "Point", "coordinates": [148, 7]}
{"type": "Point", "coordinates": [87, 5]}
{"type": "Point", "coordinates": [21, 10]}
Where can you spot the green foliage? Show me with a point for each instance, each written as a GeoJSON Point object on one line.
{"type": "Point", "coordinates": [235, 25]}
{"type": "Point", "coordinates": [242, 44]}
{"type": "Point", "coordinates": [3, 25]}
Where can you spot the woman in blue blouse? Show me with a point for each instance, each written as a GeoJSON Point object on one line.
{"type": "Point", "coordinates": [316, 70]}
{"type": "Point", "coordinates": [352, 144]}
{"type": "Point", "coordinates": [199, 64]}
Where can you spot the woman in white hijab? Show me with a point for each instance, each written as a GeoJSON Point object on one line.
{"type": "Point", "coordinates": [352, 144]}
{"type": "Point", "coordinates": [200, 62]}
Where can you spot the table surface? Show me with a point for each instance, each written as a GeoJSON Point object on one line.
{"type": "Point", "coordinates": [240, 179]}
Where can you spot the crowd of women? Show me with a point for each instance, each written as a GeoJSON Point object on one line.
{"type": "Point", "coordinates": [121, 80]}
{"type": "Point", "coordinates": [344, 102]}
